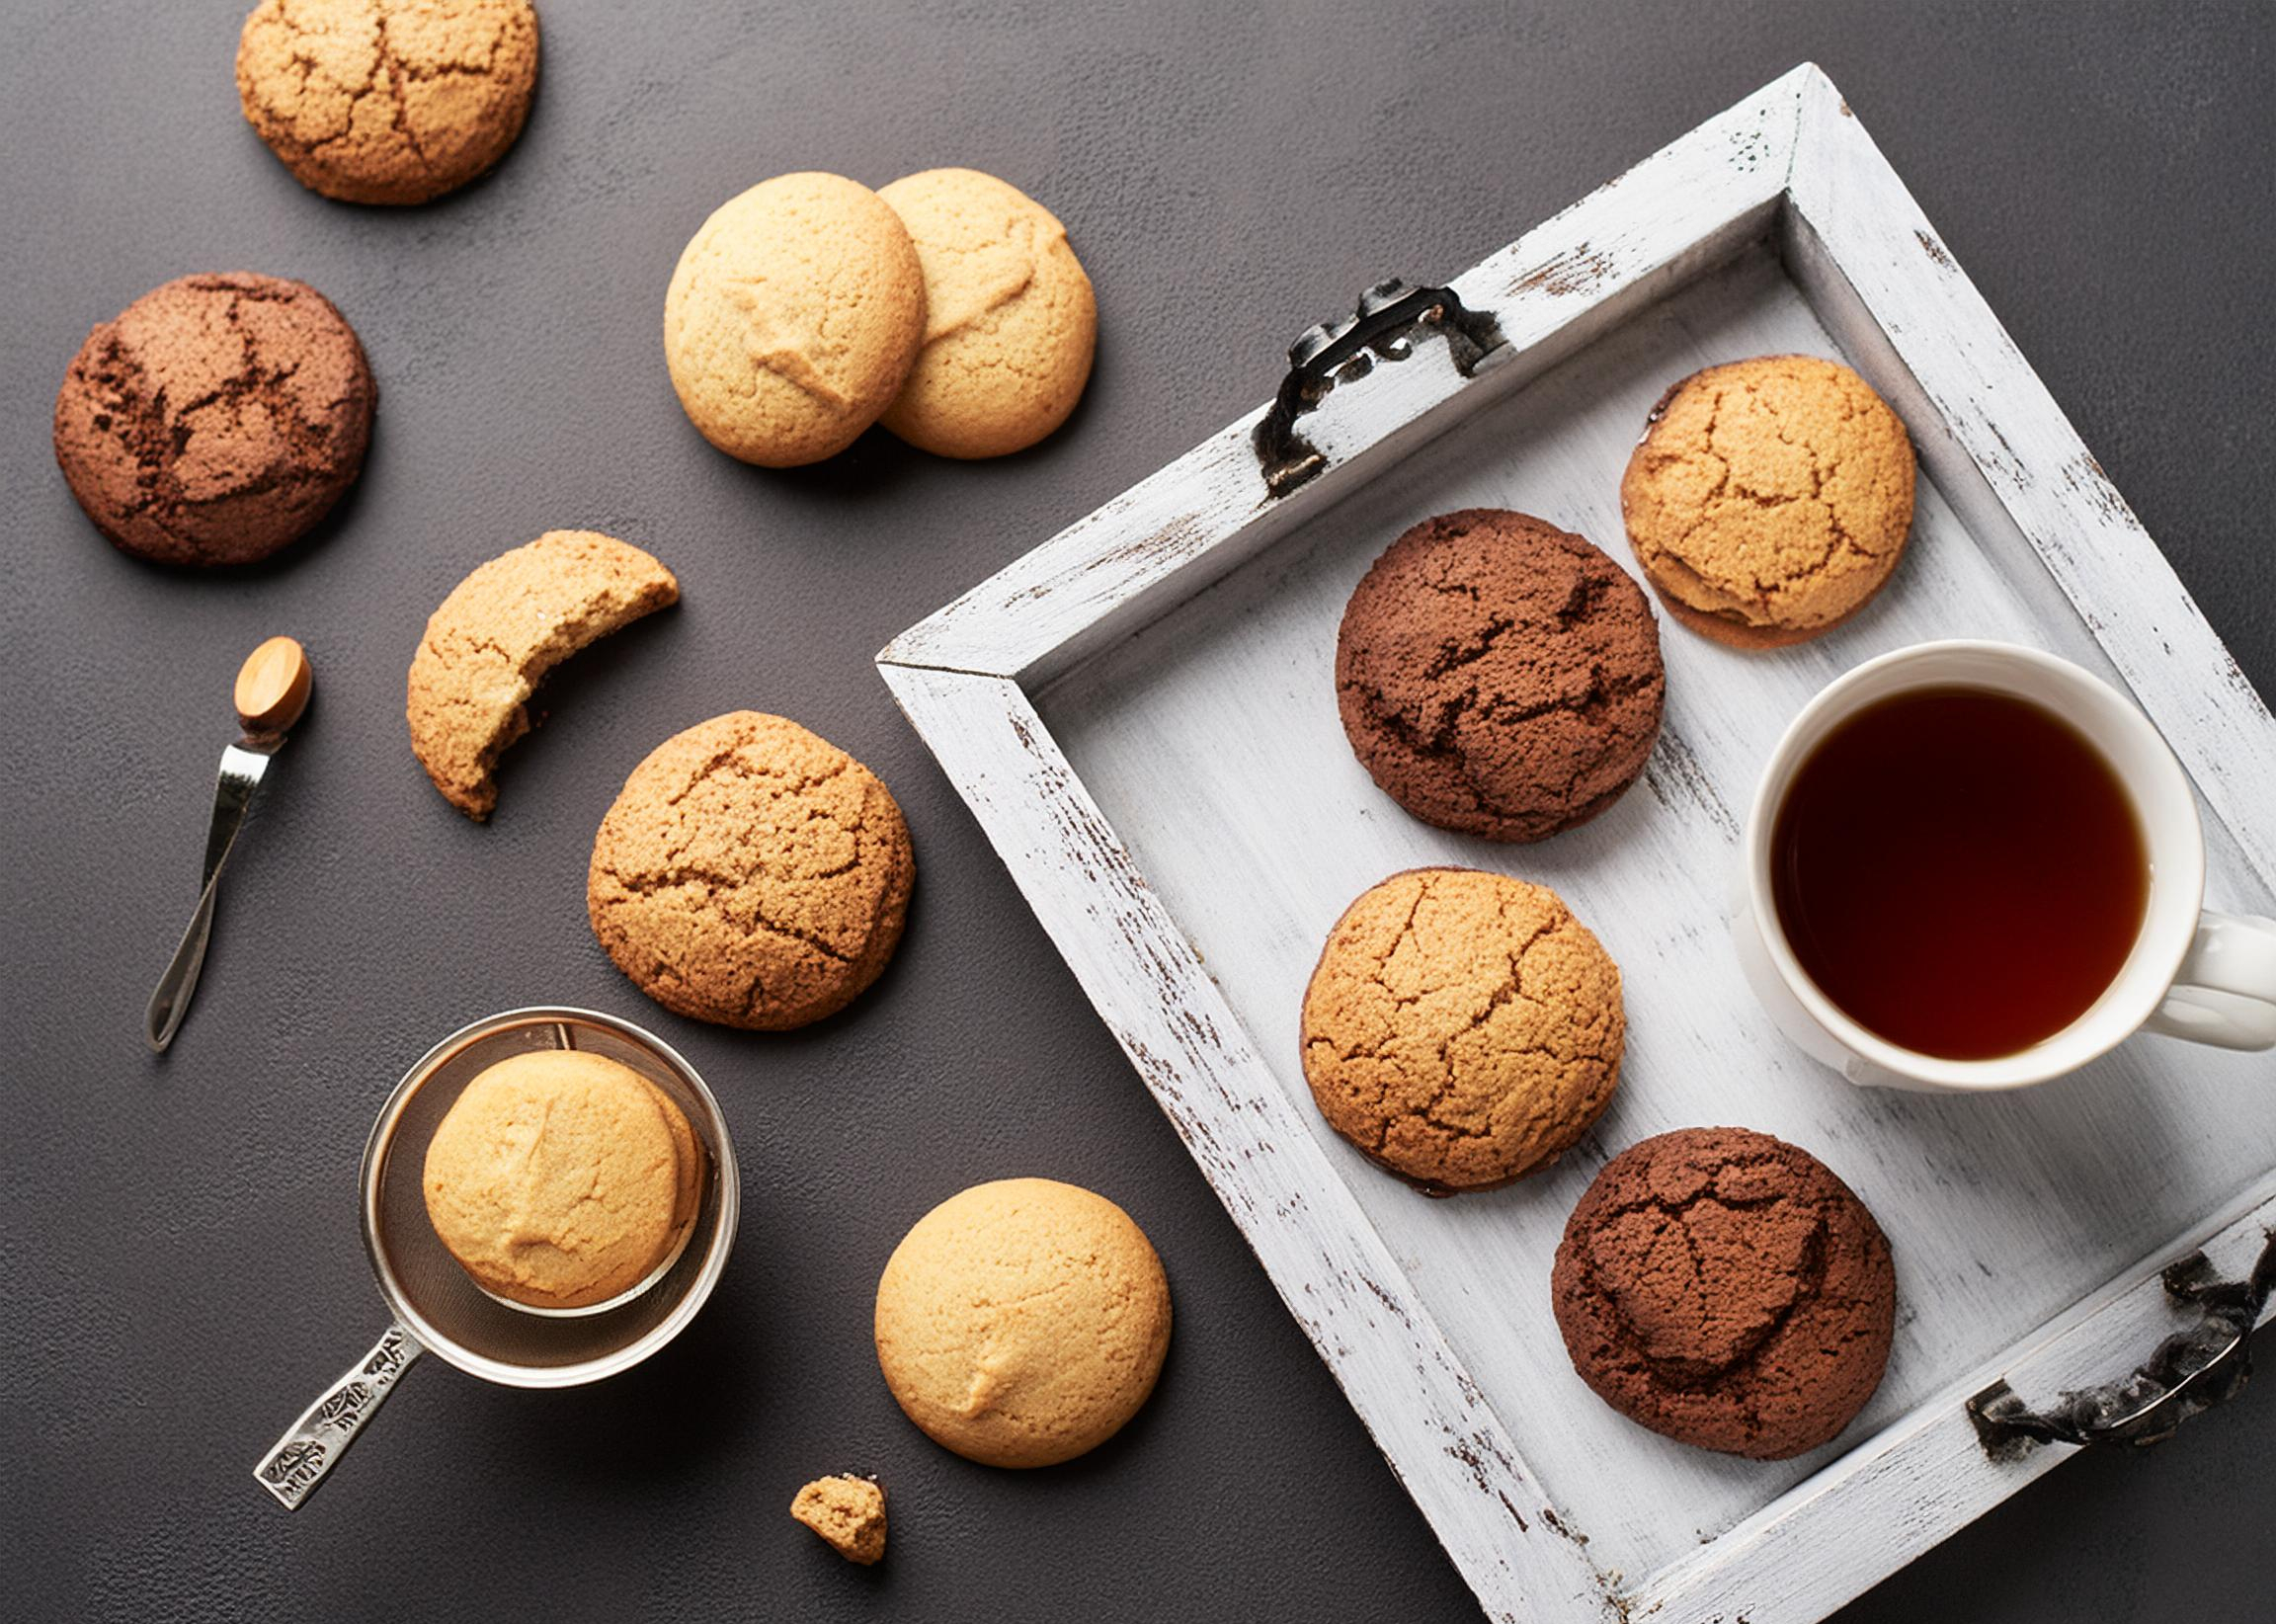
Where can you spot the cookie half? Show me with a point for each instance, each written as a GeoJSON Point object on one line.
{"type": "Point", "coordinates": [792, 319]}
{"type": "Point", "coordinates": [216, 418]}
{"type": "Point", "coordinates": [1724, 1288]}
{"type": "Point", "coordinates": [492, 642]}
{"type": "Point", "coordinates": [1462, 1030]}
{"type": "Point", "coordinates": [1022, 1322]}
{"type": "Point", "coordinates": [1011, 321]}
{"type": "Point", "coordinates": [387, 101]}
{"type": "Point", "coordinates": [750, 873]}
{"type": "Point", "coordinates": [1769, 500]}
{"type": "Point", "coordinates": [1498, 676]}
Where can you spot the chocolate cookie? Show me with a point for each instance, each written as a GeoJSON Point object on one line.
{"type": "Point", "coordinates": [387, 101]}
{"type": "Point", "coordinates": [750, 873]}
{"type": "Point", "coordinates": [216, 418]}
{"type": "Point", "coordinates": [1462, 1029]}
{"type": "Point", "coordinates": [1498, 676]}
{"type": "Point", "coordinates": [1726, 1289]}
{"type": "Point", "coordinates": [1769, 498]}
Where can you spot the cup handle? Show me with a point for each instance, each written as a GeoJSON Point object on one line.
{"type": "Point", "coordinates": [2225, 993]}
{"type": "Point", "coordinates": [291, 1470]}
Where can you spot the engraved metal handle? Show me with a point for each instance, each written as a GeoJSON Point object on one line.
{"type": "Point", "coordinates": [1385, 324]}
{"type": "Point", "coordinates": [297, 1464]}
{"type": "Point", "coordinates": [2186, 1374]}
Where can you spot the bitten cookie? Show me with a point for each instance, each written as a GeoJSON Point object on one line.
{"type": "Point", "coordinates": [1498, 676]}
{"type": "Point", "coordinates": [497, 635]}
{"type": "Point", "coordinates": [1769, 498]}
{"type": "Point", "coordinates": [1726, 1289]}
{"type": "Point", "coordinates": [1011, 321]}
{"type": "Point", "coordinates": [1462, 1029]}
{"type": "Point", "coordinates": [556, 1178]}
{"type": "Point", "coordinates": [792, 319]}
{"type": "Point", "coordinates": [216, 418]}
{"type": "Point", "coordinates": [847, 1512]}
{"type": "Point", "coordinates": [750, 873]}
{"type": "Point", "coordinates": [387, 101]}
{"type": "Point", "coordinates": [1022, 1322]}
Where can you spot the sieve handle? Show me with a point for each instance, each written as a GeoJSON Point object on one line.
{"type": "Point", "coordinates": [297, 1464]}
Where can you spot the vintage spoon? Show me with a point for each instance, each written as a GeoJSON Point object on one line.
{"type": "Point", "coordinates": [271, 691]}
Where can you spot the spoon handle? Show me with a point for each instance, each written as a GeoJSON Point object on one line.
{"type": "Point", "coordinates": [241, 772]}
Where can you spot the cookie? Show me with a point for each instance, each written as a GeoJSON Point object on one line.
{"type": "Point", "coordinates": [1022, 1322]}
{"type": "Point", "coordinates": [1769, 498]}
{"type": "Point", "coordinates": [387, 101]}
{"type": "Point", "coordinates": [497, 635]}
{"type": "Point", "coordinates": [792, 319]}
{"type": "Point", "coordinates": [1009, 320]}
{"type": "Point", "coordinates": [1726, 1289]}
{"type": "Point", "coordinates": [216, 418]}
{"type": "Point", "coordinates": [750, 873]}
{"type": "Point", "coordinates": [849, 1512]}
{"type": "Point", "coordinates": [1462, 1030]}
{"type": "Point", "coordinates": [555, 1178]}
{"type": "Point", "coordinates": [1498, 676]}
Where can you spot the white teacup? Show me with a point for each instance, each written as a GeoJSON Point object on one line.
{"type": "Point", "coordinates": [2194, 974]}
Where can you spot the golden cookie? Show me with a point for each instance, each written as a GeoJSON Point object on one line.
{"type": "Point", "coordinates": [1023, 1322]}
{"type": "Point", "coordinates": [1769, 498]}
{"type": "Point", "coordinates": [497, 634]}
{"type": "Point", "coordinates": [792, 319]}
{"type": "Point", "coordinates": [849, 1512]}
{"type": "Point", "coordinates": [750, 873]}
{"type": "Point", "coordinates": [387, 101]}
{"type": "Point", "coordinates": [554, 1178]}
{"type": "Point", "coordinates": [1462, 1029]}
{"type": "Point", "coordinates": [1009, 319]}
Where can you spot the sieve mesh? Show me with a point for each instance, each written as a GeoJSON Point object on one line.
{"type": "Point", "coordinates": [432, 1295]}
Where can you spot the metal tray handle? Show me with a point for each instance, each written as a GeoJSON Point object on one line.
{"type": "Point", "coordinates": [2187, 1373]}
{"type": "Point", "coordinates": [1389, 317]}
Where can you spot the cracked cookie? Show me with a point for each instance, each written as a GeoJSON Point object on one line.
{"type": "Point", "coordinates": [1724, 1288]}
{"type": "Point", "coordinates": [1023, 1322]}
{"type": "Point", "coordinates": [216, 418]}
{"type": "Point", "coordinates": [560, 1179]}
{"type": "Point", "coordinates": [1010, 321]}
{"type": "Point", "coordinates": [793, 317]}
{"type": "Point", "coordinates": [847, 1512]}
{"type": "Point", "coordinates": [1462, 1030]}
{"type": "Point", "coordinates": [496, 636]}
{"type": "Point", "coordinates": [1498, 676]}
{"type": "Point", "coordinates": [387, 101]}
{"type": "Point", "coordinates": [750, 873]}
{"type": "Point", "coordinates": [1769, 498]}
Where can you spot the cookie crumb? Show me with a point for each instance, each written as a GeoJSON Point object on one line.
{"type": "Point", "coordinates": [849, 1512]}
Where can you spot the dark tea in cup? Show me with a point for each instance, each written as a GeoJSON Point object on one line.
{"type": "Point", "coordinates": [1959, 871]}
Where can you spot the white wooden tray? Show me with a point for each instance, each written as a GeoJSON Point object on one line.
{"type": "Point", "coordinates": [1141, 713]}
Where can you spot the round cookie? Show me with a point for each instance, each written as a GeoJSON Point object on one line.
{"type": "Point", "coordinates": [387, 101]}
{"type": "Point", "coordinates": [1462, 1030]}
{"type": "Point", "coordinates": [1726, 1289]}
{"type": "Point", "coordinates": [1498, 676]}
{"type": "Point", "coordinates": [556, 1179]}
{"type": "Point", "coordinates": [792, 319]}
{"type": "Point", "coordinates": [1011, 321]}
{"type": "Point", "coordinates": [216, 418]}
{"type": "Point", "coordinates": [1769, 498]}
{"type": "Point", "coordinates": [1023, 1321]}
{"type": "Point", "coordinates": [750, 873]}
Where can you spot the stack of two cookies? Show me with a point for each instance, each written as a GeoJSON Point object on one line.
{"type": "Point", "coordinates": [949, 306]}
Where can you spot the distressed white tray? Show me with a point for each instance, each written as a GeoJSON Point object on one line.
{"type": "Point", "coordinates": [1141, 714]}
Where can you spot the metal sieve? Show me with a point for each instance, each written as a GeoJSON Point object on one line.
{"type": "Point", "coordinates": [439, 1309]}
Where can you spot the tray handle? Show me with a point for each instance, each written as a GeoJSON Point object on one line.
{"type": "Point", "coordinates": [1389, 317]}
{"type": "Point", "coordinates": [2187, 1373]}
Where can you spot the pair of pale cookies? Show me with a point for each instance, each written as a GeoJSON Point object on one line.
{"type": "Point", "coordinates": [949, 306]}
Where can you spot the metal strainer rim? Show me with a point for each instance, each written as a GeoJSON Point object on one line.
{"type": "Point", "coordinates": [505, 1372]}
